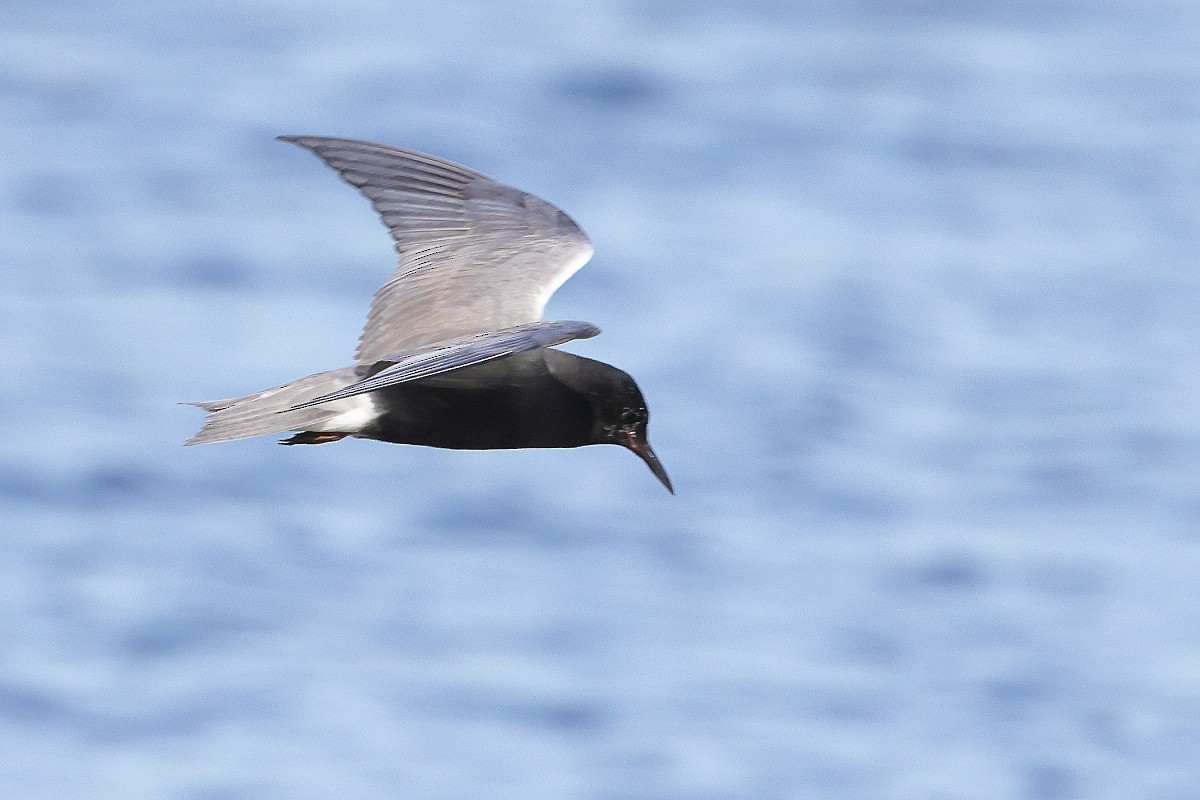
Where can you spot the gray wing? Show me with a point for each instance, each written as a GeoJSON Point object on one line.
{"type": "Point", "coordinates": [467, 351]}
{"type": "Point", "coordinates": [475, 255]}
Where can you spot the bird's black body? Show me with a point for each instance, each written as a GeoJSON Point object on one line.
{"type": "Point", "coordinates": [546, 398]}
{"type": "Point", "coordinates": [529, 407]}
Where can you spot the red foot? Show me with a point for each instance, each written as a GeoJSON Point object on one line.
{"type": "Point", "coordinates": [312, 437]}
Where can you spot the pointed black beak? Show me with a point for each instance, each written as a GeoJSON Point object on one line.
{"type": "Point", "coordinates": [641, 447]}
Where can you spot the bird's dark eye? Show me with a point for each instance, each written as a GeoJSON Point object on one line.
{"type": "Point", "coordinates": [629, 416]}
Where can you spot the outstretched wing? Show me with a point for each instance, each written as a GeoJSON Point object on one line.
{"type": "Point", "coordinates": [475, 255]}
{"type": "Point", "coordinates": [467, 351]}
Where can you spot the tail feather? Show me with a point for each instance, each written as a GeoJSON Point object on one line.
{"type": "Point", "coordinates": [266, 412]}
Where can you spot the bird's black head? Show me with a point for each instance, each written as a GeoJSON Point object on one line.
{"type": "Point", "coordinates": [621, 418]}
{"type": "Point", "coordinates": [618, 410]}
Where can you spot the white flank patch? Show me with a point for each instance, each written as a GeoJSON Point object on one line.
{"type": "Point", "coordinates": [354, 414]}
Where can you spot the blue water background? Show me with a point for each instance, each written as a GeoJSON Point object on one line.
{"type": "Point", "coordinates": [911, 288]}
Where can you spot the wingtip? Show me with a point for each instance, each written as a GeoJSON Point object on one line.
{"type": "Point", "coordinates": [307, 142]}
{"type": "Point", "coordinates": [578, 329]}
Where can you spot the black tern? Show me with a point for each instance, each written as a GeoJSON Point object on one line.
{"type": "Point", "coordinates": [454, 353]}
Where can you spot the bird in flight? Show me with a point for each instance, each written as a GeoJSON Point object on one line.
{"type": "Point", "coordinates": [454, 353]}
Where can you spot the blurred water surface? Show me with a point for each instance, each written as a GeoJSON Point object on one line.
{"type": "Point", "coordinates": [910, 287]}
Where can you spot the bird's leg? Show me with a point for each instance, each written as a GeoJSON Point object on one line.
{"type": "Point", "coordinates": [312, 437]}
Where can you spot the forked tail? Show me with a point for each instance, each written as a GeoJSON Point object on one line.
{"type": "Point", "coordinates": [259, 414]}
